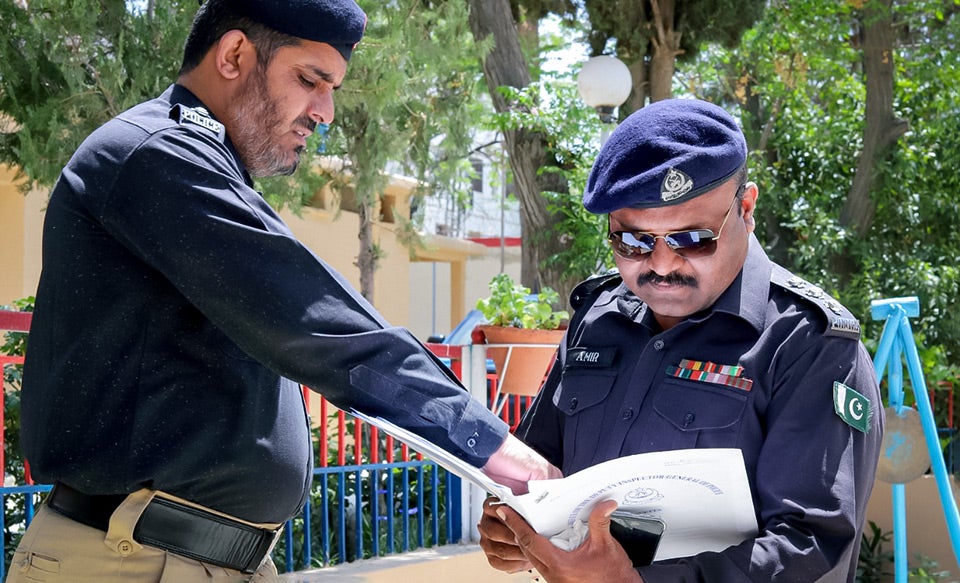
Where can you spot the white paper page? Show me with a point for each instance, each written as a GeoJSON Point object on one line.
{"type": "Point", "coordinates": [701, 495]}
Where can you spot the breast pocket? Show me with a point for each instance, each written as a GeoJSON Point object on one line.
{"type": "Point", "coordinates": [695, 414]}
{"type": "Point", "coordinates": [581, 398]}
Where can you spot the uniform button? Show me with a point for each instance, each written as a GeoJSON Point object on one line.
{"type": "Point", "coordinates": [688, 419]}
{"type": "Point", "coordinates": [573, 403]}
{"type": "Point", "coordinates": [125, 547]}
{"type": "Point", "coordinates": [658, 344]}
{"type": "Point", "coordinates": [627, 414]}
{"type": "Point", "coordinates": [471, 443]}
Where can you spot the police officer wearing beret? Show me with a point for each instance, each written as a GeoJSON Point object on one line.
{"type": "Point", "coordinates": [700, 342]}
{"type": "Point", "coordinates": [176, 315]}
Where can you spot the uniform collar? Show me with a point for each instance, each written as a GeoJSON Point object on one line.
{"type": "Point", "coordinates": [747, 296]}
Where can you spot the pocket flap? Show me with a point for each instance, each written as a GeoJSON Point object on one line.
{"type": "Point", "coordinates": [581, 389]}
{"type": "Point", "coordinates": [693, 406]}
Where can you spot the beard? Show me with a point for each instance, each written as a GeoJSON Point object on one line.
{"type": "Point", "coordinates": [255, 120]}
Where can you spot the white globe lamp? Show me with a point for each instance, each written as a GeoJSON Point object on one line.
{"type": "Point", "coordinates": [604, 84]}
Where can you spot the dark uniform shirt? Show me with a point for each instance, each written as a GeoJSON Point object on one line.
{"type": "Point", "coordinates": [618, 389]}
{"type": "Point", "coordinates": [176, 314]}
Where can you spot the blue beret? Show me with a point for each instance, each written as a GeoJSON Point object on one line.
{"type": "Point", "coordinates": [663, 154]}
{"type": "Point", "coordinates": [339, 23]}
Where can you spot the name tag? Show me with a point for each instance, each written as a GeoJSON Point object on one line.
{"type": "Point", "coordinates": [591, 357]}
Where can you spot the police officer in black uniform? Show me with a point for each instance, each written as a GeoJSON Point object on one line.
{"type": "Point", "coordinates": [177, 314]}
{"type": "Point", "coordinates": [701, 341]}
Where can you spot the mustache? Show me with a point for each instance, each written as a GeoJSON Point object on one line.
{"type": "Point", "coordinates": [672, 278]}
{"type": "Point", "coordinates": [307, 122]}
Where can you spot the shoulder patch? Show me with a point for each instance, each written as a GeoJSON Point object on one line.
{"type": "Point", "coordinates": [840, 322]}
{"type": "Point", "coordinates": [198, 116]}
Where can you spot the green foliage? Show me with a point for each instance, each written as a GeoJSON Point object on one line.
{"type": "Point", "coordinates": [67, 66]}
{"type": "Point", "coordinates": [874, 560]}
{"type": "Point", "coordinates": [511, 304]}
{"type": "Point", "coordinates": [801, 98]}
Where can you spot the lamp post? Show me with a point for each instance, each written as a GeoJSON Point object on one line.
{"type": "Point", "coordinates": [604, 84]}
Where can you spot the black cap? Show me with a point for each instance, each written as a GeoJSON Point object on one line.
{"type": "Point", "coordinates": [338, 23]}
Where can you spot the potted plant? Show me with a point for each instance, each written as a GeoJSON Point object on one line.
{"type": "Point", "coordinates": [523, 331]}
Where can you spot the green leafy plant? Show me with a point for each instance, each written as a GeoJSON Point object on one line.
{"type": "Point", "coordinates": [512, 304]}
{"type": "Point", "coordinates": [874, 560]}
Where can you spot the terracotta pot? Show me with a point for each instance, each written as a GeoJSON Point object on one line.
{"type": "Point", "coordinates": [528, 365]}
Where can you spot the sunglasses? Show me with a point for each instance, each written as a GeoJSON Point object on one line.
{"type": "Point", "coordinates": [693, 244]}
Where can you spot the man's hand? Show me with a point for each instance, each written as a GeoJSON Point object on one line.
{"type": "Point", "coordinates": [498, 541]}
{"type": "Point", "coordinates": [599, 558]}
{"type": "Point", "coordinates": [514, 464]}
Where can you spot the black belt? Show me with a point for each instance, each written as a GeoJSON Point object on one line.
{"type": "Point", "coordinates": [180, 529]}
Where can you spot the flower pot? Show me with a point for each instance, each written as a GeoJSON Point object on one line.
{"type": "Point", "coordinates": [520, 366]}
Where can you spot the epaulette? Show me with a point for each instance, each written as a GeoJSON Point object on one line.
{"type": "Point", "coordinates": [198, 116]}
{"type": "Point", "coordinates": [840, 322]}
{"type": "Point", "coordinates": [589, 287]}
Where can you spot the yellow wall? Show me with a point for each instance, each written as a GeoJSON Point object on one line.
{"type": "Point", "coordinates": [21, 222]}
{"type": "Point", "coordinates": [335, 241]}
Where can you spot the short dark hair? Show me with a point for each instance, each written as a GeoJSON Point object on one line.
{"type": "Point", "coordinates": [214, 19]}
{"type": "Point", "coordinates": [741, 179]}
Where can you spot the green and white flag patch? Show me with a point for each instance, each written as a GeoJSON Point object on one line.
{"type": "Point", "coordinates": [852, 407]}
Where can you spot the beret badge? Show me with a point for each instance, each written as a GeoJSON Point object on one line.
{"type": "Point", "coordinates": [675, 184]}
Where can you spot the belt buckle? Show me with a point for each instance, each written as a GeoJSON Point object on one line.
{"type": "Point", "coordinates": [263, 550]}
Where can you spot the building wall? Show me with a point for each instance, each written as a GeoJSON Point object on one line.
{"type": "Point", "coordinates": [21, 223]}
{"type": "Point", "coordinates": [430, 295]}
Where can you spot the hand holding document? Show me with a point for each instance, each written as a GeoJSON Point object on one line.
{"type": "Point", "coordinates": [701, 495]}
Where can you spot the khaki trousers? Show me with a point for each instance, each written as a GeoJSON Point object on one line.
{"type": "Point", "coordinates": [55, 548]}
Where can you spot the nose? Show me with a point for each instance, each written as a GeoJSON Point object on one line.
{"type": "Point", "coordinates": [321, 106]}
{"type": "Point", "coordinates": [663, 260]}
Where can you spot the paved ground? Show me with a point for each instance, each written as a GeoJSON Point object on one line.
{"type": "Point", "coordinates": [460, 563]}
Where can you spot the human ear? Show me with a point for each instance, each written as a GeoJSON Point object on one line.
{"type": "Point", "coordinates": [749, 205]}
{"type": "Point", "coordinates": [234, 54]}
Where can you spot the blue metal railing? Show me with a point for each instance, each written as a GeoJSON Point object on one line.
{"type": "Point", "coordinates": [360, 517]}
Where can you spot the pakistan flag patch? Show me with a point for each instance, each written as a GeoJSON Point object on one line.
{"type": "Point", "coordinates": [852, 407]}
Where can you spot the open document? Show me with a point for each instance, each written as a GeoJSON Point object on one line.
{"type": "Point", "coordinates": [701, 495]}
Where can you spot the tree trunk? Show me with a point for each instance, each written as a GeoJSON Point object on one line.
{"type": "Point", "coordinates": [666, 47]}
{"type": "Point", "coordinates": [882, 128]}
{"type": "Point", "coordinates": [638, 96]}
{"type": "Point", "coordinates": [367, 257]}
{"type": "Point", "coordinates": [506, 66]}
